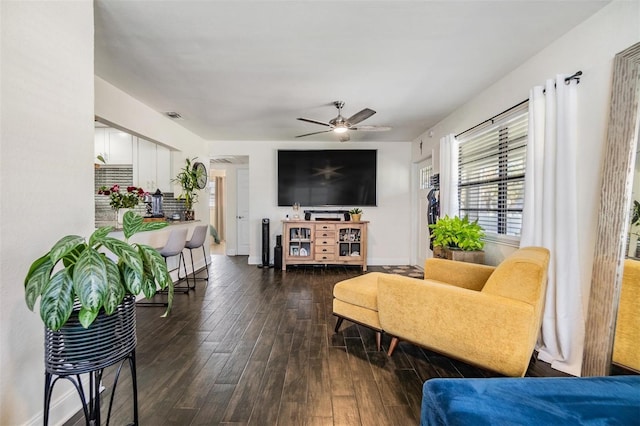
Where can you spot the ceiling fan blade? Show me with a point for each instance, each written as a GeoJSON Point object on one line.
{"type": "Point", "coordinates": [344, 137]}
{"type": "Point", "coordinates": [314, 133]}
{"type": "Point", "coordinates": [360, 116]}
{"type": "Point", "coordinates": [308, 120]}
{"type": "Point", "coordinates": [372, 128]}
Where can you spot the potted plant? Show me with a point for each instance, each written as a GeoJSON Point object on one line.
{"type": "Point", "coordinates": [87, 295]}
{"type": "Point", "coordinates": [356, 214]}
{"type": "Point", "coordinates": [189, 178]}
{"type": "Point", "coordinates": [458, 238]}
{"type": "Point", "coordinates": [84, 278]}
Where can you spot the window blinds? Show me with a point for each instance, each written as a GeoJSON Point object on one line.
{"type": "Point", "coordinates": [491, 170]}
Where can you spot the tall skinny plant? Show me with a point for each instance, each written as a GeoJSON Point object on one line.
{"type": "Point", "coordinates": [188, 180]}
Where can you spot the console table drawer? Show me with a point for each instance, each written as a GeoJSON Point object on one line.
{"type": "Point", "coordinates": [325, 242]}
{"type": "Point", "coordinates": [326, 235]}
{"type": "Point", "coordinates": [320, 249]}
{"type": "Point", "coordinates": [320, 257]}
{"type": "Point", "coordinates": [325, 227]}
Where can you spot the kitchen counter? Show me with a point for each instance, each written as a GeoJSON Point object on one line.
{"type": "Point", "coordinates": [159, 237]}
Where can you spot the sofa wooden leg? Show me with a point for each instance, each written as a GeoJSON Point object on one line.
{"type": "Point", "coordinates": [392, 345]}
{"type": "Point", "coordinates": [338, 324]}
{"type": "Point", "coordinates": [378, 339]}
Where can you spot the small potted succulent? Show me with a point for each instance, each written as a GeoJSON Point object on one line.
{"type": "Point", "coordinates": [356, 214]}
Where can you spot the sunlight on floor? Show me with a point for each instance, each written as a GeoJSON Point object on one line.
{"type": "Point", "coordinates": [217, 249]}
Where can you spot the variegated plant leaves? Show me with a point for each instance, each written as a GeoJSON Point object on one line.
{"type": "Point", "coordinates": [36, 280]}
{"type": "Point", "coordinates": [115, 290]}
{"type": "Point", "coordinates": [57, 300]}
{"type": "Point", "coordinates": [90, 279]}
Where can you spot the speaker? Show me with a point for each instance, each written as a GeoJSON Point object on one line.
{"type": "Point", "coordinates": [277, 253]}
{"type": "Point", "coordinates": [265, 244]}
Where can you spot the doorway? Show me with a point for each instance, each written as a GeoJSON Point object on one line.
{"type": "Point", "coordinates": [224, 205]}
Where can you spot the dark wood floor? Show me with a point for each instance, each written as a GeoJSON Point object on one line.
{"type": "Point", "coordinates": [257, 346]}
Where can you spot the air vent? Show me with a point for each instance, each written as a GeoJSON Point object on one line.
{"type": "Point", "coordinates": [174, 115]}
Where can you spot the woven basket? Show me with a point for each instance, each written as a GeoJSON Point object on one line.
{"type": "Point", "coordinates": [76, 350]}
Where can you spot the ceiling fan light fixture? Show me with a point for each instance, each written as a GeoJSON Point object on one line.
{"type": "Point", "coordinates": [340, 128]}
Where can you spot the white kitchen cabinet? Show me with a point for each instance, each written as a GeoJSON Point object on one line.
{"type": "Point", "coordinates": [152, 170]}
{"type": "Point", "coordinates": [163, 168]}
{"type": "Point", "coordinates": [120, 147]}
{"type": "Point", "coordinates": [115, 146]}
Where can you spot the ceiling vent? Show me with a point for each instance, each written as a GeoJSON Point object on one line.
{"type": "Point", "coordinates": [174, 115]}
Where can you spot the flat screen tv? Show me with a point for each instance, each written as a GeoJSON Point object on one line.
{"type": "Point", "coordinates": [327, 177]}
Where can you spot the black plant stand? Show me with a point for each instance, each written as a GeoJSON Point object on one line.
{"type": "Point", "coordinates": [74, 350]}
{"type": "Point", "coordinates": [91, 407]}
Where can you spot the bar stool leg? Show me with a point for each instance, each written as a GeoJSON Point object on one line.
{"type": "Point", "coordinates": [186, 277]}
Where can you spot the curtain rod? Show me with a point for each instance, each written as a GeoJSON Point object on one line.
{"type": "Point", "coordinates": [576, 76]}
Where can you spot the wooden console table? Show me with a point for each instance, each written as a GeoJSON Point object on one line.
{"type": "Point", "coordinates": [319, 242]}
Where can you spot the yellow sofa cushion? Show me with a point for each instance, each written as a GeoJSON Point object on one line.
{"type": "Point", "coordinates": [460, 274]}
{"type": "Point", "coordinates": [520, 275]}
{"type": "Point", "coordinates": [359, 291]}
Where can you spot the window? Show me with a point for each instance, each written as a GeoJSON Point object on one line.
{"type": "Point", "coordinates": [491, 170]}
{"type": "Point", "coordinates": [425, 177]}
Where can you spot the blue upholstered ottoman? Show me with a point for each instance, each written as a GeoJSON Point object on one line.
{"type": "Point", "coordinates": [611, 400]}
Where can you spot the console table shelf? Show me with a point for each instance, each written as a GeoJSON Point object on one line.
{"type": "Point", "coordinates": [317, 242]}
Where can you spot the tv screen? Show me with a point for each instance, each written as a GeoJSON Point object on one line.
{"type": "Point", "coordinates": [327, 177]}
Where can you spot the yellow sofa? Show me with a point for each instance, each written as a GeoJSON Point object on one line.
{"type": "Point", "coordinates": [486, 316]}
{"type": "Point", "coordinates": [626, 344]}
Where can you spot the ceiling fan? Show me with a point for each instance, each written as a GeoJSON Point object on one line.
{"type": "Point", "coordinates": [341, 125]}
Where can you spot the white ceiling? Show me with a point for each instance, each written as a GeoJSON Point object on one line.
{"type": "Point", "coordinates": [245, 70]}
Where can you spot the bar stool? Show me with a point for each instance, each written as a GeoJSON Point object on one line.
{"type": "Point", "coordinates": [174, 247]}
{"type": "Point", "coordinates": [198, 239]}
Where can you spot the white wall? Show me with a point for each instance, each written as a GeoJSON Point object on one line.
{"type": "Point", "coordinates": [46, 176]}
{"type": "Point", "coordinates": [589, 47]}
{"type": "Point", "coordinates": [389, 227]}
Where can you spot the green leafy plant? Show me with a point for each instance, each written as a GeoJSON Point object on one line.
{"type": "Point", "coordinates": [77, 271]}
{"type": "Point", "coordinates": [188, 180]}
{"type": "Point", "coordinates": [635, 213]}
{"type": "Point", "coordinates": [457, 233]}
{"type": "Point", "coordinates": [355, 210]}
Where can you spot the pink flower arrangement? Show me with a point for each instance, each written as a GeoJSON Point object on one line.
{"type": "Point", "coordinates": [123, 200]}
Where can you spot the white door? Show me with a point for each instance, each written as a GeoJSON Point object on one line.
{"type": "Point", "coordinates": [425, 169]}
{"type": "Point", "coordinates": [242, 218]}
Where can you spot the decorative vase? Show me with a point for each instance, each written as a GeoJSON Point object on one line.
{"type": "Point", "coordinates": [189, 215]}
{"type": "Point", "coordinates": [355, 217]}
